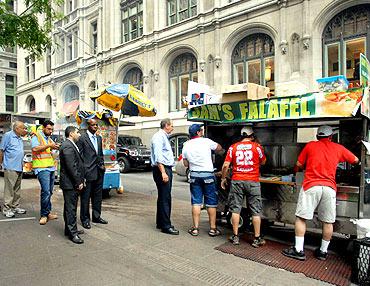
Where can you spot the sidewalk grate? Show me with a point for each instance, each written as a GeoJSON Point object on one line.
{"type": "Point", "coordinates": [187, 267]}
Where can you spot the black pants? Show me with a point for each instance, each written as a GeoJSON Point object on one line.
{"type": "Point", "coordinates": [94, 191]}
{"type": "Point", "coordinates": [163, 219]}
{"type": "Point", "coordinates": [70, 212]}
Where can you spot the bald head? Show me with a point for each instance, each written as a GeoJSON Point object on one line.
{"type": "Point", "coordinates": [19, 128]}
{"type": "Point", "coordinates": [92, 125]}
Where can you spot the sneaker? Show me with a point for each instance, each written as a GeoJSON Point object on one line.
{"type": "Point", "coordinates": [19, 211]}
{"type": "Point", "coordinates": [293, 253]}
{"type": "Point", "coordinates": [43, 220]}
{"type": "Point", "coordinates": [8, 213]}
{"type": "Point", "coordinates": [52, 216]}
{"type": "Point", "coordinates": [234, 239]}
{"type": "Point", "coordinates": [257, 242]}
{"type": "Point", "coordinates": [320, 254]}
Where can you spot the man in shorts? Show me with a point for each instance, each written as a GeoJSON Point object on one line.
{"type": "Point", "coordinates": [245, 157]}
{"type": "Point", "coordinates": [320, 159]}
{"type": "Point", "coordinates": [197, 155]}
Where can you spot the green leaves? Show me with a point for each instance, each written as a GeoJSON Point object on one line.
{"type": "Point", "coordinates": [31, 28]}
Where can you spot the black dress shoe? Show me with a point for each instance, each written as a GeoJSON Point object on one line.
{"type": "Point", "coordinates": [86, 225]}
{"type": "Point", "coordinates": [170, 230]}
{"type": "Point", "coordinates": [77, 239]}
{"type": "Point", "coordinates": [100, 220]}
{"type": "Point", "coordinates": [81, 231]}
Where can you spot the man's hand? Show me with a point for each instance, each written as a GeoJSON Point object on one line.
{"type": "Point", "coordinates": [165, 177]}
{"type": "Point", "coordinates": [80, 187]}
{"type": "Point", "coordinates": [54, 146]}
{"type": "Point", "coordinates": [223, 183]}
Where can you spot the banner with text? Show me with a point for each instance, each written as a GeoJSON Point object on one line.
{"type": "Point", "coordinates": [311, 105]}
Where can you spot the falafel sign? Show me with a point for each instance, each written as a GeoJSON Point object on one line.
{"type": "Point", "coordinates": [311, 105]}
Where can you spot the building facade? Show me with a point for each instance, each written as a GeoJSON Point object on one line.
{"type": "Point", "coordinates": [158, 45]}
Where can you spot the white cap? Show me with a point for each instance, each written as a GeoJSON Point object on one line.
{"type": "Point", "coordinates": [247, 130]}
{"type": "Point", "coordinates": [324, 131]}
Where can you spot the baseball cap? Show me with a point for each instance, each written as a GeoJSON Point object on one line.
{"type": "Point", "coordinates": [194, 128]}
{"type": "Point", "coordinates": [247, 130]}
{"type": "Point", "coordinates": [324, 131]}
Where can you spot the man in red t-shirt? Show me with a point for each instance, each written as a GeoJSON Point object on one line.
{"type": "Point", "coordinates": [245, 157]}
{"type": "Point", "coordinates": [320, 159]}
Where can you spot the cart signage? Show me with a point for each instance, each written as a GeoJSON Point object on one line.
{"type": "Point", "coordinates": [311, 105]}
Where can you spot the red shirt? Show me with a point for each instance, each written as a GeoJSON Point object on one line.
{"type": "Point", "coordinates": [245, 157]}
{"type": "Point", "coordinates": [321, 159]}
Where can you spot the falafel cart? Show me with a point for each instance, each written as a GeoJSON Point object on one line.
{"type": "Point", "coordinates": [283, 125]}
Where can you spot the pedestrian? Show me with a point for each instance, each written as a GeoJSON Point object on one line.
{"type": "Point", "coordinates": [320, 159]}
{"type": "Point", "coordinates": [72, 182]}
{"type": "Point", "coordinates": [91, 149]}
{"type": "Point", "coordinates": [162, 162]}
{"type": "Point", "coordinates": [245, 156]}
{"type": "Point", "coordinates": [11, 159]}
{"type": "Point", "coordinates": [43, 165]}
{"type": "Point", "coordinates": [197, 155]}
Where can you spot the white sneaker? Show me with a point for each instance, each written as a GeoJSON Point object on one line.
{"type": "Point", "coordinates": [8, 213]}
{"type": "Point", "coordinates": [19, 211]}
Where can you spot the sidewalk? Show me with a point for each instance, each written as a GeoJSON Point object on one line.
{"type": "Point", "coordinates": [127, 251]}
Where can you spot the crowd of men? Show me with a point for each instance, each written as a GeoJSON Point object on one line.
{"type": "Point", "coordinates": [82, 172]}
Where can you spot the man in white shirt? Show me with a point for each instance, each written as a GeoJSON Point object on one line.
{"type": "Point", "coordinates": [197, 155]}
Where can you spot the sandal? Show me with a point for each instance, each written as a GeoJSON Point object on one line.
{"type": "Point", "coordinates": [194, 231]}
{"type": "Point", "coordinates": [214, 232]}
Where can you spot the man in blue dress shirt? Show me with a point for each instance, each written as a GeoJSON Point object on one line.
{"type": "Point", "coordinates": [162, 162]}
{"type": "Point", "coordinates": [11, 158]}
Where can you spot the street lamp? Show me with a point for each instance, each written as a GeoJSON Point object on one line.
{"type": "Point", "coordinates": [64, 31]}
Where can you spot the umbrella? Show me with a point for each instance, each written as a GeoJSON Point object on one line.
{"type": "Point", "coordinates": [125, 98]}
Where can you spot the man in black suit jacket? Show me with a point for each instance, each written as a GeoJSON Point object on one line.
{"type": "Point", "coordinates": [72, 181]}
{"type": "Point", "coordinates": [91, 149]}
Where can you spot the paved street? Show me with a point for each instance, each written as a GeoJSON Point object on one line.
{"type": "Point", "coordinates": [127, 251]}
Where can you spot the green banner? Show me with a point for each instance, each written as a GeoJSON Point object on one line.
{"type": "Point", "coordinates": [364, 70]}
{"type": "Point", "coordinates": [311, 105]}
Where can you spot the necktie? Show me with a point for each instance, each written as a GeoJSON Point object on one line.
{"type": "Point", "coordinates": [95, 143]}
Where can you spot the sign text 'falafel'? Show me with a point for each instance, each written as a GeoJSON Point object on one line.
{"type": "Point", "coordinates": [311, 105]}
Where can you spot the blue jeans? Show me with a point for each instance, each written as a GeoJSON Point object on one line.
{"type": "Point", "coordinates": [203, 187]}
{"type": "Point", "coordinates": [46, 179]}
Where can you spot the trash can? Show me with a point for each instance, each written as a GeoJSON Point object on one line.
{"type": "Point", "coordinates": [361, 262]}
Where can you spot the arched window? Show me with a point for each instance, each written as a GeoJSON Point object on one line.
{"type": "Point", "coordinates": [48, 104]}
{"type": "Point", "coordinates": [31, 104]}
{"type": "Point", "coordinates": [134, 76]}
{"type": "Point", "coordinates": [70, 93]}
{"type": "Point", "coordinates": [253, 60]}
{"type": "Point", "coordinates": [182, 69]}
{"type": "Point", "coordinates": [344, 38]}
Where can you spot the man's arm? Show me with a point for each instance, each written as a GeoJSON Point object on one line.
{"type": "Point", "coordinates": [1, 156]}
{"type": "Point", "coordinates": [72, 166]}
{"type": "Point", "coordinates": [185, 162]}
{"type": "Point", "coordinates": [225, 169]}
{"type": "Point", "coordinates": [37, 147]}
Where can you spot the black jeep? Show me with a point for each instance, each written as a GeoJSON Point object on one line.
{"type": "Point", "coordinates": [132, 153]}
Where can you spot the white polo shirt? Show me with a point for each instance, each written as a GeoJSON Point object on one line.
{"type": "Point", "coordinates": [198, 151]}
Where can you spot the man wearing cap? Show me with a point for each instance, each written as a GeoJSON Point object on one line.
{"type": "Point", "coordinates": [320, 159]}
{"type": "Point", "coordinates": [197, 155]}
{"type": "Point", "coordinates": [162, 162]}
{"type": "Point", "coordinates": [245, 157]}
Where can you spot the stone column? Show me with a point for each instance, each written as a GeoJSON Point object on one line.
{"type": "Point", "coordinates": [202, 56]}
{"type": "Point", "coordinates": [2, 90]}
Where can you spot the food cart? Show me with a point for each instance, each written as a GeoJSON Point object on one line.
{"type": "Point", "coordinates": [283, 125]}
{"type": "Point", "coordinates": [127, 101]}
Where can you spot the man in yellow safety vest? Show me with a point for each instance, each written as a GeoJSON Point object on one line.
{"type": "Point", "coordinates": [44, 168]}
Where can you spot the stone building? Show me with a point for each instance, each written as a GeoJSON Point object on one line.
{"type": "Point", "coordinates": [158, 45]}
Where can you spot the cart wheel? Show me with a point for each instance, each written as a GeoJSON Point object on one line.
{"type": "Point", "coordinates": [120, 190]}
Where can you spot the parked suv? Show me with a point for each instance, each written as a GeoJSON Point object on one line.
{"type": "Point", "coordinates": [132, 153]}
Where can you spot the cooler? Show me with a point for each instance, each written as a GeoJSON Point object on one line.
{"type": "Point", "coordinates": [111, 179]}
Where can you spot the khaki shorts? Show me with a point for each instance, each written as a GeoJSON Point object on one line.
{"type": "Point", "coordinates": [321, 197]}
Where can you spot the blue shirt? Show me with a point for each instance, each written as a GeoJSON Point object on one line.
{"type": "Point", "coordinates": [35, 142]}
{"type": "Point", "coordinates": [93, 140]}
{"type": "Point", "coordinates": [12, 147]}
{"type": "Point", "coordinates": [161, 151]}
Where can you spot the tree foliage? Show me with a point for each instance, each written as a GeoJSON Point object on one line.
{"type": "Point", "coordinates": [29, 29]}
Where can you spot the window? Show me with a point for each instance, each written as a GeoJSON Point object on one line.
{"type": "Point", "coordinates": [178, 10]}
{"type": "Point", "coordinates": [62, 50]}
{"type": "Point", "coordinates": [13, 65]}
{"type": "Point", "coordinates": [182, 69]}
{"type": "Point", "coordinates": [30, 68]}
{"type": "Point", "coordinates": [94, 36]}
{"type": "Point", "coordinates": [75, 43]}
{"type": "Point", "coordinates": [132, 20]}
{"type": "Point", "coordinates": [344, 38]}
{"type": "Point", "coordinates": [9, 101]}
{"type": "Point", "coordinates": [48, 104]}
{"type": "Point", "coordinates": [33, 68]}
{"type": "Point", "coordinates": [134, 77]}
{"type": "Point", "coordinates": [70, 93]}
{"type": "Point", "coordinates": [31, 104]}
{"type": "Point", "coordinates": [10, 81]}
{"type": "Point", "coordinates": [69, 47]}
{"type": "Point", "coordinates": [253, 61]}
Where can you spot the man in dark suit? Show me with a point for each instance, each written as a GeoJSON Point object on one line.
{"type": "Point", "coordinates": [91, 149]}
{"type": "Point", "coordinates": [72, 181]}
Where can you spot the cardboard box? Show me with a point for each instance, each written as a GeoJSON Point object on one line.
{"type": "Point", "coordinates": [242, 92]}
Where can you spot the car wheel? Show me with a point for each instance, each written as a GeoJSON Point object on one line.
{"type": "Point", "coordinates": [124, 165]}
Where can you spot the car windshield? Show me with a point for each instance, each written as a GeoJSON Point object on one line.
{"type": "Point", "coordinates": [129, 141]}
